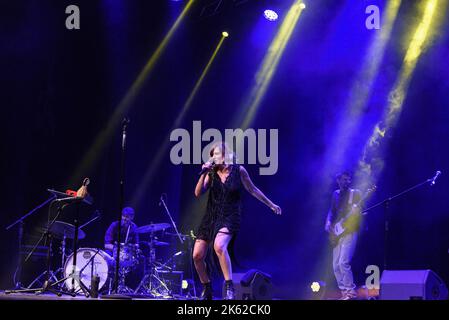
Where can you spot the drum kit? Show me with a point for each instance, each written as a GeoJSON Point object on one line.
{"type": "Point", "coordinates": [90, 271]}
{"type": "Point", "coordinates": [98, 263]}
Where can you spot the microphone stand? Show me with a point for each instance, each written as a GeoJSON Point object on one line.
{"type": "Point", "coordinates": [90, 221]}
{"type": "Point", "coordinates": [181, 240]}
{"type": "Point", "coordinates": [189, 238]}
{"type": "Point", "coordinates": [125, 123]}
{"type": "Point", "coordinates": [18, 272]}
{"type": "Point", "coordinates": [47, 286]}
{"type": "Point", "coordinates": [171, 219]}
{"type": "Point", "coordinates": [386, 203]}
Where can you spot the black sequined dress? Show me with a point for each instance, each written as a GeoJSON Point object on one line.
{"type": "Point", "coordinates": [223, 205]}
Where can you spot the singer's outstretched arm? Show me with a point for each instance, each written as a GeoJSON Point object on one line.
{"type": "Point", "coordinates": [255, 192]}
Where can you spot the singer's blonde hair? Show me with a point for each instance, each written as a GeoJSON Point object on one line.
{"type": "Point", "coordinates": [227, 153]}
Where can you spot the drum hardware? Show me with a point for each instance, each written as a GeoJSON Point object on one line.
{"type": "Point", "coordinates": [154, 227]}
{"type": "Point", "coordinates": [162, 201]}
{"type": "Point", "coordinates": [47, 286]}
{"type": "Point", "coordinates": [97, 215]}
{"type": "Point", "coordinates": [53, 274]}
{"type": "Point", "coordinates": [39, 252]}
{"type": "Point", "coordinates": [128, 260]}
{"type": "Point", "coordinates": [152, 284]}
{"type": "Point", "coordinates": [182, 239]}
{"type": "Point", "coordinates": [51, 226]}
{"type": "Point", "coordinates": [20, 221]}
{"type": "Point", "coordinates": [190, 240]}
{"type": "Point", "coordinates": [97, 261]}
{"type": "Point", "coordinates": [129, 254]}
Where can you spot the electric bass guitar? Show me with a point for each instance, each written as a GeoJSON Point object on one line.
{"type": "Point", "coordinates": [346, 224]}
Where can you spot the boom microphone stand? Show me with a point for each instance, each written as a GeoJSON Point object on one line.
{"type": "Point", "coordinates": [18, 272]}
{"type": "Point", "coordinates": [386, 203]}
{"type": "Point", "coordinates": [125, 123]}
{"type": "Point", "coordinates": [48, 239]}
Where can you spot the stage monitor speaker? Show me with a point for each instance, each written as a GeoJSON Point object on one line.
{"type": "Point", "coordinates": [412, 285]}
{"type": "Point", "coordinates": [252, 285]}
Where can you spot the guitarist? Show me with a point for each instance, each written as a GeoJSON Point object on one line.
{"type": "Point", "coordinates": [343, 200]}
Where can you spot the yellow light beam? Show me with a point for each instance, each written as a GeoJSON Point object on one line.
{"type": "Point", "coordinates": [270, 62]}
{"type": "Point", "coordinates": [103, 137]}
{"type": "Point", "coordinates": [198, 84]}
{"type": "Point", "coordinates": [361, 90]}
{"type": "Point", "coordinates": [154, 165]}
{"type": "Point", "coordinates": [398, 93]}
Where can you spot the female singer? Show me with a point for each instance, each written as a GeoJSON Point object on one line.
{"type": "Point", "coordinates": [224, 180]}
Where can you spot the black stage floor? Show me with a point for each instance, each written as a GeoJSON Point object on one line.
{"type": "Point", "coordinates": [52, 296]}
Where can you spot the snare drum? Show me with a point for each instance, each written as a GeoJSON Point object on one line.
{"type": "Point", "coordinates": [129, 254]}
{"type": "Point", "coordinates": [99, 264]}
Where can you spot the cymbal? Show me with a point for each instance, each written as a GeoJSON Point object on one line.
{"type": "Point", "coordinates": [155, 243]}
{"type": "Point", "coordinates": [59, 228]}
{"type": "Point", "coordinates": [152, 227]}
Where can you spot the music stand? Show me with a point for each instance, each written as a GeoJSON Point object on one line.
{"type": "Point", "coordinates": [73, 274]}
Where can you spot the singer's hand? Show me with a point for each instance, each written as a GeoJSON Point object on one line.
{"type": "Point", "coordinates": [276, 209]}
{"type": "Point", "coordinates": [208, 165]}
{"type": "Point", "coordinates": [328, 226]}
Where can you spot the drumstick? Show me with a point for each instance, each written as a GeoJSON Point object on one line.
{"type": "Point", "coordinates": [127, 233]}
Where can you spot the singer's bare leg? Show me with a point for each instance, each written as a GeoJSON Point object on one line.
{"type": "Point", "coordinates": [199, 254]}
{"type": "Point", "coordinates": [221, 249]}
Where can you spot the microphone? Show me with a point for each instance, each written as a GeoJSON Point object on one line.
{"type": "Point", "coordinates": [435, 177]}
{"type": "Point", "coordinates": [211, 161]}
{"type": "Point", "coordinates": [125, 121]}
{"type": "Point", "coordinates": [161, 199]}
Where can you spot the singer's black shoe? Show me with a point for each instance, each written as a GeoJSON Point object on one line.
{"type": "Point", "coordinates": [207, 291]}
{"type": "Point", "coordinates": [229, 293]}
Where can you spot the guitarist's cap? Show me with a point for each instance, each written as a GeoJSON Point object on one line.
{"type": "Point", "coordinates": [128, 211]}
{"type": "Point", "coordinates": [343, 173]}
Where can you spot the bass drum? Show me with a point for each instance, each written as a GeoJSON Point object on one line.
{"type": "Point", "coordinates": [95, 262]}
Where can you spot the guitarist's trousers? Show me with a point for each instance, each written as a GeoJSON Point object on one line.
{"type": "Point", "coordinates": [342, 256]}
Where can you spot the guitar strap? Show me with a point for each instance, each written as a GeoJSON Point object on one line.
{"type": "Point", "coordinates": [351, 197]}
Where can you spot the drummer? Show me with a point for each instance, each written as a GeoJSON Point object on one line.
{"type": "Point", "coordinates": [128, 234]}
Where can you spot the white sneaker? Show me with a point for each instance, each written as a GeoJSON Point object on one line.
{"type": "Point", "coordinates": [349, 295]}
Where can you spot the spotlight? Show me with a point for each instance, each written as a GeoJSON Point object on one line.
{"type": "Point", "coordinates": [302, 6]}
{"type": "Point", "coordinates": [225, 34]}
{"type": "Point", "coordinates": [270, 15]}
{"type": "Point", "coordinates": [315, 286]}
{"type": "Point", "coordinates": [187, 287]}
{"type": "Point", "coordinates": [318, 289]}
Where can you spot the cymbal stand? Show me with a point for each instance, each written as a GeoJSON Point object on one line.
{"type": "Point", "coordinates": [18, 272]}
{"type": "Point", "coordinates": [47, 286]}
{"type": "Point", "coordinates": [74, 275]}
{"type": "Point", "coordinates": [151, 283]}
{"type": "Point", "coordinates": [190, 239]}
{"type": "Point", "coordinates": [60, 270]}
